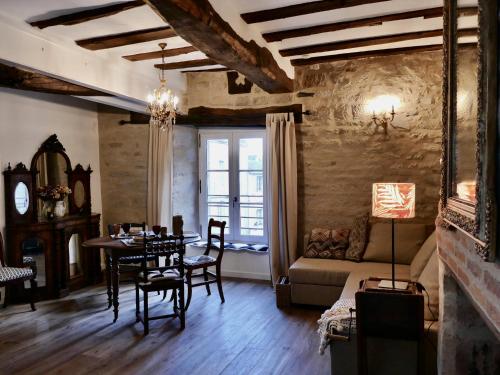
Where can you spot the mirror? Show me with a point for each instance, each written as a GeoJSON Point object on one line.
{"type": "Point", "coordinates": [21, 198]}
{"type": "Point", "coordinates": [79, 194]}
{"type": "Point", "coordinates": [51, 167]}
{"type": "Point", "coordinates": [32, 250]}
{"type": "Point", "coordinates": [75, 266]}
{"type": "Point", "coordinates": [465, 134]}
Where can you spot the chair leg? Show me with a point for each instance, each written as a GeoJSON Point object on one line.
{"type": "Point", "coordinates": [146, 313]}
{"type": "Point", "coordinates": [174, 297]}
{"type": "Point", "coordinates": [205, 275]}
{"type": "Point", "coordinates": [137, 303]}
{"type": "Point", "coordinates": [5, 297]}
{"type": "Point", "coordinates": [33, 289]}
{"type": "Point", "coordinates": [219, 284]}
{"type": "Point", "coordinates": [182, 316]}
{"type": "Point", "coordinates": [190, 288]}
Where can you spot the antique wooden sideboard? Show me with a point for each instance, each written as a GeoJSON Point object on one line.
{"type": "Point", "coordinates": [51, 244]}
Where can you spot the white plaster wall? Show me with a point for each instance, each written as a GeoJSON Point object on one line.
{"type": "Point", "coordinates": [27, 119]}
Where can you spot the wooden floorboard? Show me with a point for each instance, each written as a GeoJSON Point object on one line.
{"type": "Point", "coordinates": [246, 335]}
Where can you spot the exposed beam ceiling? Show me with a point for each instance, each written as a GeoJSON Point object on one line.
{"type": "Point", "coordinates": [198, 23]}
{"type": "Point", "coordinates": [87, 15]}
{"type": "Point", "coordinates": [363, 42]}
{"type": "Point", "coordinates": [366, 54]}
{"type": "Point", "coordinates": [206, 70]}
{"type": "Point", "coordinates": [22, 79]}
{"type": "Point", "coordinates": [186, 64]}
{"type": "Point", "coordinates": [301, 9]}
{"type": "Point", "coordinates": [335, 26]}
{"type": "Point", "coordinates": [158, 54]}
{"type": "Point", "coordinates": [123, 39]}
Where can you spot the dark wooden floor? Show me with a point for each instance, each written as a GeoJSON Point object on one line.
{"type": "Point", "coordinates": [246, 335]}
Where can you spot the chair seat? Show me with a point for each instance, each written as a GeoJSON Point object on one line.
{"type": "Point", "coordinates": [14, 273]}
{"type": "Point", "coordinates": [198, 260]}
{"type": "Point", "coordinates": [135, 259]}
{"type": "Point", "coordinates": [156, 276]}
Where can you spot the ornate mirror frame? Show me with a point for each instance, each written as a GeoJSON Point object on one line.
{"type": "Point", "coordinates": [479, 221]}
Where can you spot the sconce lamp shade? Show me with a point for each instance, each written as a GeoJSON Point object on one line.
{"type": "Point", "coordinates": [392, 200]}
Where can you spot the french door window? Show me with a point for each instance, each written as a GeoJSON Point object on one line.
{"type": "Point", "coordinates": [232, 182]}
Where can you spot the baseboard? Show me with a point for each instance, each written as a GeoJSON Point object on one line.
{"type": "Point", "coordinates": [246, 275]}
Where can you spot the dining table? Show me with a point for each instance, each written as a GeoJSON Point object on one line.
{"type": "Point", "coordinates": [116, 248]}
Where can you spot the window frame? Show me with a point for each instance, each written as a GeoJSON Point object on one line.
{"type": "Point", "coordinates": [233, 136]}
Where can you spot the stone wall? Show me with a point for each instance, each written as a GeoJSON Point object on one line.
{"type": "Point", "coordinates": [339, 156]}
{"type": "Point", "coordinates": [123, 155]}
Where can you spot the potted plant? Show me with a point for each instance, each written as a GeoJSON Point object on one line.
{"type": "Point", "coordinates": [53, 199]}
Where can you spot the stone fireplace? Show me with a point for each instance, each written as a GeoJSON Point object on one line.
{"type": "Point", "coordinates": [469, 337]}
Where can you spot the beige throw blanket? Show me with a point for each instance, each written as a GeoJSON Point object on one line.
{"type": "Point", "coordinates": [335, 322]}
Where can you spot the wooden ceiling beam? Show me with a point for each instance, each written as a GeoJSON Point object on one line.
{"type": "Point", "coordinates": [158, 54]}
{"type": "Point", "coordinates": [206, 70]}
{"type": "Point", "coordinates": [124, 39]}
{"type": "Point", "coordinates": [367, 54]}
{"type": "Point", "coordinates": [336, 26]}
{"type": "Point", "coordinates": [198, 23]}
{"type": "Point", "coordinates": [186, 64]}
{"type": "Point", "coordinates": [21, 79]}
{"type": "Point", "coordinates": [302, 9]}
{"type": "Point", "coordinates": [87, 14]}
{"type": "Point", "coordinates": [370, 41]}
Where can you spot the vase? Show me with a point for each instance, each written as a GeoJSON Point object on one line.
{"type": "Point", "coordinates": [47, 209]}
{"type": "Point", "coordinates": [60, 209]}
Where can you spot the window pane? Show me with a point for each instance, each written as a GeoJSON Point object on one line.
{"type": "Point", "coordinates": [252, 232]}
{"type": "Point", "coordinates": [251, 212]}
{"type": "Point", "coordinates": [252, 183]}
{"type": "Point", "coordinates": [218, 183]}
{"type": "Point", "coordinates": [217, 154]}
{"type": "Point", "coordinates": [251, 153]}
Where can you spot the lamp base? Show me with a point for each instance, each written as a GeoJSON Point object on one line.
{"type": "Point", "coordinates": [387, 284]}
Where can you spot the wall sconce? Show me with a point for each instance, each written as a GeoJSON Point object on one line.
{"type": "Point", "coordinates": [383, 110]}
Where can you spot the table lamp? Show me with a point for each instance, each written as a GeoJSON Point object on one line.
{"type": "Point", "coordinates": [393, 200]}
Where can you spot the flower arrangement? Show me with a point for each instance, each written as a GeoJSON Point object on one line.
{"type": "Point", "coordinates": [53, 193]}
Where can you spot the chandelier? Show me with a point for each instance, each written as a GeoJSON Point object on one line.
{"type": "Point", "coordinates": [162, 103]}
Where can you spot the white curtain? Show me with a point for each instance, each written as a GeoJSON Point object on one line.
{"type": "Point", "coordinates": [160, 176]}
{"type": "Point", "coordinates": [282, 192]}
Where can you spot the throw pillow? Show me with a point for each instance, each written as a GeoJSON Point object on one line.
{"type": "Point", "coordinates": [430, 280]}
{"type": "Point", "coordinates": [409, 238]}
{"type": "Point", "coordinates": [357, 239]}
{"type": "Point", "coordinates": [327, 244]}
{"type": "Point", "coordinates": [419, 262]}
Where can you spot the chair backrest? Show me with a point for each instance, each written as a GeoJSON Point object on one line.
{"type": "Point", "coordinates": [1, 251]}
{"type": "Point", "coordinates": [216, 240]}
{"type": "Point", "coordinates": [166, 247]}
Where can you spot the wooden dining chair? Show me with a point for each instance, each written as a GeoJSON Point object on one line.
{"type": "Point", "coordinates": [16, 276]}
{"type": "Point", "coordinates": [193, 263]}
{"type": "Point", "coordinates": [156, 279]}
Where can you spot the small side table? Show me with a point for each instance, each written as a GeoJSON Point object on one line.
{"type": "Point", "coordinates": [393, 318]}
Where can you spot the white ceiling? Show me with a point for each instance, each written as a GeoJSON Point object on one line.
{"type": "Point", "coordinates": [143, 17]}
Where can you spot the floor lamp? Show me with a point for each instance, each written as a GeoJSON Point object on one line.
{"type": "Point", "coordinates": [393, 200]}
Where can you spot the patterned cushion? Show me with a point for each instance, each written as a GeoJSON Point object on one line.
{"type": "Point", "coordinates": [13, 273]}
{"type": "Point", "coordinates": [198, 259]}
{"type": "Point", "coordinates": [327, 244]}
{"type": "Point", "coordinates": [155, 276]}
{"type": "Point", "coordinates": [358, 239]}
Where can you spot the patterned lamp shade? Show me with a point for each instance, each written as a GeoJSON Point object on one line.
{"type": "Point", "coordinates": [393, 200]}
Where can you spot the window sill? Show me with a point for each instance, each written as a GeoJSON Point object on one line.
{"type": "Point", "coordinates": [236, 247]}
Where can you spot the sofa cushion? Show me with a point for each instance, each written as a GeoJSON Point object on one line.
{"type": "Point", "coordinates": [429, 278]}
{"type": "Point", "coordinates": [321, 271]}
{"type": "Point", "coordinates": [327, 244]}
{"type": "Point", "coordinates": [372, 269]}
{"type": "Point", "coordinates": [409, 239]}
{"type": "Point", "coordinates": [357, 239]}
{"type": "Point", "coordinates": [422, 257]}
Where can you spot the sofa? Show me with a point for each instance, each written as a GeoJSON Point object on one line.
{"type": "Point", "coordinates": [327, 282]}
